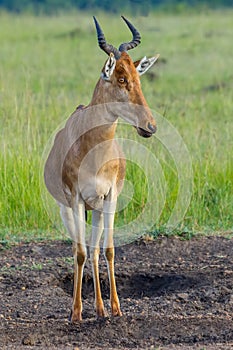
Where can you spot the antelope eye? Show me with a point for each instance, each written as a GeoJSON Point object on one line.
{"type": "Point", "coordinates": [121, 80]}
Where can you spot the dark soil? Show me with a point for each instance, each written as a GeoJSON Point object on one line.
{"type": "Point", "coordinates": [174, 294]}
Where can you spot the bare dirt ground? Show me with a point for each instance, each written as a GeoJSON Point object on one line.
{"type": "Point", "coordinates": [174, 295]}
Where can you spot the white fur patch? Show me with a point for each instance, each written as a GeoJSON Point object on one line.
{"type": "Point", "coordinates": [109, 67]}
{"type": "Point", "coordinates": [146, 63]}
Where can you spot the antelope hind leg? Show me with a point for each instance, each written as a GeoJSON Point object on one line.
{"type": "Point", "coordinates": [74, 221]}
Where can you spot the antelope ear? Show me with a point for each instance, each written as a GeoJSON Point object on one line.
{"type": "Point", "coordinates": [109, 67]}
{"type": "Point", "coordinates": [145, 63]}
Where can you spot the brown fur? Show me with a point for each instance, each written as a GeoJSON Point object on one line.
{"type": "Point", "coordinates": [71, 146]}
{"type": "Point", "coordinates": [86, 168]}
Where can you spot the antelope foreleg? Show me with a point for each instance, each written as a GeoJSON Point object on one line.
{"type": "Point", "coordinates": [99, 305]}
{"type": "Point", "coordinates": [97, 229]}
{"type": "Point", "coordinates": [114, 300]}
{"type": "Point", "coordinates": [109, 213]}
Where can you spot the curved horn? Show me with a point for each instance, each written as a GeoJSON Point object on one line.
{"type": "Point", "coordinates": [136, 37]}
{"type": "Point", "coordinates": [102, 42]}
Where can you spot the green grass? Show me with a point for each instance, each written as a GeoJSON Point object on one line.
{"type": "Point", "coordinates": [45, 73]}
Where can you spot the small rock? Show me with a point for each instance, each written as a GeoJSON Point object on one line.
{"type": "Point", "coordinates": [228, 272]}
{"type": "Point", "coordinates": [183, 296]}
{"type": "Point", "coordinates": [28, 340]}
{"type": "Point", "coordinates": [225, 289]}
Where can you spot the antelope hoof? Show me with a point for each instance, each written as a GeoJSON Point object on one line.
{"type": "Point", "coordinates": [116, 311]}
{"type": "Point", "coordinates": [75, 317]}
{"type": "Point", "coordinates": [101, 313]}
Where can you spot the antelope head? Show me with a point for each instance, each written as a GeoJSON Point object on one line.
{"type": "Point", "coordinates": [121, 79]}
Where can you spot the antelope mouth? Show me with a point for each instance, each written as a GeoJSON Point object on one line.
{"type": "Point", "coordinates": [144, 133]}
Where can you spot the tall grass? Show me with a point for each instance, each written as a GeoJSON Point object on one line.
{"type": "Point", "coordinates": [49, 65]}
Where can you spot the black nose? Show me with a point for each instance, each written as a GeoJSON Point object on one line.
{"type": "Point", "coordinates": [152, 128]}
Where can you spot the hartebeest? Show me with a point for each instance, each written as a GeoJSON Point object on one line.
{"type": "Point", "coordinates": [85, 169]}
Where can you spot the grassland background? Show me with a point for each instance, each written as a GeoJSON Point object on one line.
{"type": "Point", "coordinates": [49, 65]}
